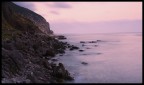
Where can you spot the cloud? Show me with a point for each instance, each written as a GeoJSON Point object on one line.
{"type": "Point", "coordinates": [28, 5]}
{"type": "Point", "coordinates": [54, 12]}
{"type": "Point", "coordinates": [60, 5]}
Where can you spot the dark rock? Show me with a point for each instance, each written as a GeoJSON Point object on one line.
{"type": "Point", "coordinates": [98, 40]}
{"type": "Point", "coordinates": [54, 59]}
{"type": "Point", "coordinates": [84, 54]}
{"type": "Point", "coordinates": [46, 64]}
{"type": "Point", "coordinates": [61, 66]}
{"type": "Point", "coordinates": [61, 51]}
{"type": "Point", "coordinates": [74, 48]}
{"type": "Point", "coordinates": [92, 41]}
{"type": "Point", "coordinates": [98, 53]}
{"type": "Point", "coordinates": [95, 45]}
{"type": "Point", "coordinates": [61, 55]}
{"type": "Point", "coordinates": [49, 53]}
{"type": "Point", "coordinates": [88, 48]}
{"type": "Point", "coordinates": [32, 78]}
{"type": "Point", "coordinates": [84, 63]}
{"type": "Point", "coordinates": [60, 72]}
{"type": "Point", "coordinates": [8, 45]}
{"type": "Point", "coordinates": [81, 50]}
{"type": "Point", "coordinates": [82, 42]}
{"type": "Point", "coordinates": [83, 45]}
{"type": "Point", "coordinates": [61, 37]}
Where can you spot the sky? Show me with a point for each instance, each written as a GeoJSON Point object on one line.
{"type": "Point", "coordinates": [89, 17]}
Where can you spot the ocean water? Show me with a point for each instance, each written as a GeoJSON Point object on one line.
{"type": "Point", "coordinates": [116, 59]}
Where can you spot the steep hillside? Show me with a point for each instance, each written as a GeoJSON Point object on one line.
{"type": "Point", "coordinates": [26, 49]}
{"type": "Point", "coordinates": [11, 9]}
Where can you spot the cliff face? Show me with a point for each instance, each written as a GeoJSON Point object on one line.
{"type": "Point", "coordinates": [11, 9]}
{"type": "Point", "coordinates": [26, 49]}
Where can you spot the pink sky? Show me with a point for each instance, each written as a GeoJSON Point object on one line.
{"type": "Point", "coordinates": [85, 12]}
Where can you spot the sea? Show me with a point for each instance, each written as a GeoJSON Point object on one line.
{"type": "Point", "coordinates": [114, 58]}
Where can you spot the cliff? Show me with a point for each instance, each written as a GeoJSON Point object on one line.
{"type": "Point", "coordinates": [26, 48]}
{"type": "Point", "coordinates": [11, 9]}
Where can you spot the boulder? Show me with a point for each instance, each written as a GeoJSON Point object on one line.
{"type": "Point", "coordinates": [74, 47]}
{"type": "Point", "coordinates": [61, 73]}
{"type": "Point", "coordinates": [61, 37]}
{"type": "Point", "coordinates": [81, 50]}
{"type": "Point", "coordinates": [84, 63]}
{"type": "Point", "coordinates": [98, 40]}
{"type": "Point", "coordinates": [92, 41]}
{"type": "Point", "coordinates": [82, 42]}
{"type": "Point", "coordinates": [54, 60]}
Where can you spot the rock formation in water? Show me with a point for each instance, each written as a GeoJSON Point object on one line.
{"type": "Point", "coordinates": [26, 48]}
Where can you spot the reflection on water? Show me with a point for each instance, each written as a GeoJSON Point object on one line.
{"type": "Point", "coordinates": [117, 60]}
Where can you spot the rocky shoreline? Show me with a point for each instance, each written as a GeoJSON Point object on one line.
{"type": "Point", "coordinates": [25, 59]}
{"type": "Point", "coordinates": [27, 45]}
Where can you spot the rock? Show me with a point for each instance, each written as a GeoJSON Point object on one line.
{"type": "Point", "coordinates": [74, 48]}
{"type": "Point", "coordinates": [92, 41]}
{"type": "Point", "coordinates": [95, 45]}
{"type": "Point", "coordinates": [88, 48]}
{"type": "Point", "coordinates": [46, 64]}
{"type": "Point", "coordinates": [98, 53]}
{"type": "Point", "coordinates": [82, 42]}
{"type": "Point", "coordinates": [32, 77]}
{"type": "Point", "coordinates": [61, 51]}
{"type": "Point", "coordinates": [61, 73]}
{"type": "Point", "coordinates": [25, 44]}
{"type": "Point", "coordinates": [81, 50]}
{"type": "Point", "coordinates": [49, 53]}
{"type": "Point", "coordinates": [61, 37]}
{"type": "Point", "coordinates": [60, 55]}
{"type": "Point", "coordinates": [54, 59]}
{"type": "Point", "coordinates": [98, 40]}
{"type": "Point", "coordinates": [84, 63]}
{"type": "Point", "coordinates": [83, 45]}
{"type": "Point", "coordinates": [84, 54]}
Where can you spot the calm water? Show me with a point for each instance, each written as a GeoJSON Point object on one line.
{"type": "Point", "coordinates": [117, 59]}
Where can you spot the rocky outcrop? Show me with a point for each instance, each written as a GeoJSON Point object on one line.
{"type": "Point", "coordinates": [26, 49]}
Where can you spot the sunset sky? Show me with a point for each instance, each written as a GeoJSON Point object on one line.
{"type": "Point", "coordinates": [89, 17]}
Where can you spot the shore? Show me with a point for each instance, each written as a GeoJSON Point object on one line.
{"type": "Point", "coordinates": [25, 59]}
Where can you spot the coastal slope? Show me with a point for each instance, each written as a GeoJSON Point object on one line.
{"type": "Point", "coordinates": [27, 47]}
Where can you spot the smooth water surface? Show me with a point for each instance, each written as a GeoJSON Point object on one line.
{"type": "Point", "coordinates": [117, 58]}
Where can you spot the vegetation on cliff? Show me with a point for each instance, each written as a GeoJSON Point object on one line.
{"type": "Point", "coordinates": [26, 50]}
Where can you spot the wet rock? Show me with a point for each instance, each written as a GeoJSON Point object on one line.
{"type": "Point", "coordinates": [83, 45]}
{"type": "Point", "coordinates": [61, 73]}
{"type": "Point", "coordinates": [88, 48]}
{"type": "Point", "coordinates": [98, 53]}
{"type": "Point", "coordinates": [99, 40]}
{"type": "Point", "coordinates": [54, 59]}
{"type": "Point", "coordinates": [84, 63]}
{"type": "Point", "coordinates": [60, 55]}
{"type": "Point", "coordinates": [95, 45]}
{"type": "Point", "coordinates": [82, 42]}
{"type": "Point", "coordinates": [46, 64]}
{"type": "Point", "coordinates": [49, 53]}
{"type": "Point", "coordinates": [84, 54]}
{"type": "Point", "coordinates": [74, 48]}
{"type": "Point", "coordinates": [61, 51]}
{"type": "Point", "coordinates": [32, 78]}
{"type": "Point", "coordinates": [81, 50]}
{"type": "Point", "coordinates": [92, 41]}
{"type": "Point", "coordinates": [61, 37]}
